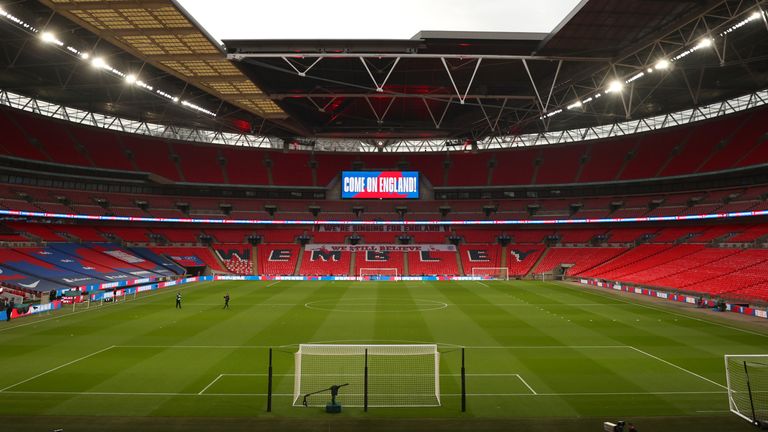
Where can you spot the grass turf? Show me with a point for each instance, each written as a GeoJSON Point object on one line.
{"type": "Point", "coordinates": [539, 355]}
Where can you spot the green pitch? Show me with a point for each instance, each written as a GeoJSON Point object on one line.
{"type": "Point", "coordinates": [538, 354]}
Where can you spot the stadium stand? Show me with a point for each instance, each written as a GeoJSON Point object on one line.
{"type": "Point", "coordinates": [479, 256]}
{"type": "Point", "coordinates": [200, 163]}
{"type": "Point", "coordinates": [236, 258]}
{"type": "Point", "coordinates": [379, 260]}
{"type": "Point", "coordinates": [194, 256]}
{"type": "Point", "coordinates": [582, 258]}
{"type": "Point", "coordinates": [522, 258]}
{"type": "Point", "coordinates": [432, 263]}
{"type": "Point", "coordinates": [26, 271]}
{"type": "Point", "coordinates": [277, 259]}
{"type": "Point", "coordinates": [324, 262]}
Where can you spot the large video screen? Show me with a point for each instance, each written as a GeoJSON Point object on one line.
{"type": "Point", "coordinates": [380, 185]}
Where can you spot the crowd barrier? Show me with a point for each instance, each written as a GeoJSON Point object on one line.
{"type": "Point", "coordinates": [684, 298]}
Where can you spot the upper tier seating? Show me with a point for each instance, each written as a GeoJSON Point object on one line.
{"type": "Point", "coordinates": [200, 163]}
{"type": "Point", "coordinates": [683, 150]}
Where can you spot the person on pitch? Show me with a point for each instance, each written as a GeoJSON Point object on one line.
{"type": "Point", "coordinates": [178, 300]}
{"type": "Point", "coordinates": [226, 301]}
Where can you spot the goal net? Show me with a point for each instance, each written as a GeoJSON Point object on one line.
{"type": "Point", "coordinates": [396, 375]}
{"type": "Point", "coordinates": [747, 379]}
{"type": "Point", "coordinates": [491, 272]}
{"type": "Point", "coordinates": [378, 273]}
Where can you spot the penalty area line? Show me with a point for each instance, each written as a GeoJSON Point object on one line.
{"type": "Point", "coordinates": [678, 367]}
{"type": "Point", "coordinates": [57, 368]}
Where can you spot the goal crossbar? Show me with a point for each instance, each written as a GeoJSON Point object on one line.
{"type": "Point", "coordinates": [495, 272]}
{"type": "Point", "coordinates": [389, 271]}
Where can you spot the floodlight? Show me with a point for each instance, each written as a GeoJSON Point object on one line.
{"type": "Point", "coordinates": [98, 63]}
{"type": "Point", "coordinates": [662, 64]}
{"type": "Point", "coordinates": [615, 86]}
{"type": "Point", "coordinates": [47, 37]}
{"type": "Point", "coordinates": [704, 43]}
{"type": "Point", "coordinates": [85, 56]}
{"type": "Point", "coordinates": [756, 15]}
{"type": "Point", "coordinates": [130, 78]}
{"type": "Point", "coordinates": [576, 104]}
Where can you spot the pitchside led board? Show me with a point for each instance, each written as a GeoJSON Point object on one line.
{"type": "Point", "coordinates": [379, 185]}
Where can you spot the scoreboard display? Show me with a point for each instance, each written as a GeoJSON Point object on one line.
{"type": "Point", "coordinates": [379, 185]}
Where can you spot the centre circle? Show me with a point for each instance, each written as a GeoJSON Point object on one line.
{"type": "Point", "coordinates": [375, 305]}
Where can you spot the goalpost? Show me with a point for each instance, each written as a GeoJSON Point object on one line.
{"type": "Point", "coordinates": [372, 375]}
{"type": "Point", "coordinates": [501, 273]}
{"type": "Point", "coordinates": [747, 380]}
{"type": "Point", "coordinates": [374, 273]}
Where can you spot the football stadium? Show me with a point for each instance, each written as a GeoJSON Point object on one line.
{"type": "Point", "coordinates": [409, 216]}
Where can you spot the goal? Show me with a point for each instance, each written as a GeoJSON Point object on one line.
{"type": "Point", "coordinates": [747, 380]}
{"type": "Point", "coordinates": [377, 273]}
{"type": "Point", "coordinates": [377, 375]}
{"type": "Point", "coordinates": [491, 272]}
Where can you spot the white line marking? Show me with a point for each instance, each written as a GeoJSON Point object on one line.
{"type": "Point", "coordinates": [658, 309]}
{"type": "Point", "coordinates": [485, 285]}
{"type": "Point", "coordinates": [712, 411]}
{"type": "Point", "coordinates": [273, 284]}
{"type": "Point", "coordinates": [11, 392]}
{"type": "Point", "coordinates": [161, 291]}
{"type": "Point", "coordinates": [526, 384]}
{"type": "Point", "coordinates": [209, 385]}
{"type": "Point", "coordinates": [468, 347]}
{"type": "Point", "coordinates": [678, 367]}
{"type": "Point", "coordinates": [58, 367]}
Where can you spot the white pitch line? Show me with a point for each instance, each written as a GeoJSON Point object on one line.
{"type": "Point", "coordinates": [467, 347]}
{"type": "Point", "coordinates": [526, 384]}
{"type": "Point", "coordinates": [483, 284]}
{"type": "Point", "coordinates": [658, 309]}
{"type": "Point", "coordinates": [161, 291]}
{"type": "Point", "coordinates": [548, 347]}
{"type": "Point", "coordinates": [11, 392]}
{"type": "Point", "coordinates": [58, 367]}
{"type": "Point", "coordinates": [273, 284]}
{"type": "Point", "coordinates": [678, 367]}
{"type": "Point", "coordinates": [210, 384]}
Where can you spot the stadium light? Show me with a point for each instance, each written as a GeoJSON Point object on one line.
{"type": "Point", "coordinates": [662, 64]}
{"type": "Point", "coordinates": [704, 43]}
{"type": "Point", "coordinates": [99, 63]}
{"type": "Point", "coordinates": [85, 56]}
{"type": "Point", "coordinates": [615, 86]}
{"type": "Point", "coordinates": [756, 15]}
{"type": "Point", "coordinates": [130, 79]}
{"type": "Point", "coordinates": [48, 37]}
{"type": "Point", "coordinates": [574, 105]}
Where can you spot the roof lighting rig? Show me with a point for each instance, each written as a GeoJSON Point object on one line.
{"type": "Point", "coordinates": [617, 85]}
{"type": "Point", "coordinates": [100, 63]}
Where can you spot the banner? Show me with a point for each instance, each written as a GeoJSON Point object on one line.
{"type": "Point", "coordinates": [380, 184]}
{"type": "Point", "coordinates": [381, 248]}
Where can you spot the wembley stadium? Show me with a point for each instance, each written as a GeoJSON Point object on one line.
{"type": "Point", "coordinates": [247, 216]}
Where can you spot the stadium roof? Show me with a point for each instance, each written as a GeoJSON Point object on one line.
{"type": "Point", "coordinates": [436, 85]}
